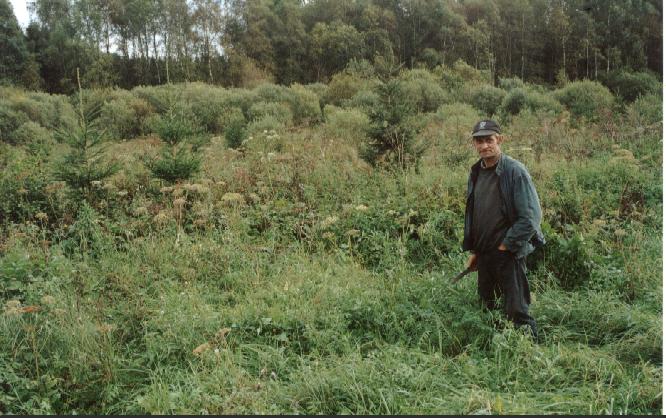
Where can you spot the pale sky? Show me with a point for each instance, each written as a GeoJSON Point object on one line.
{"type": "Point", "coordinates": [21, 12]}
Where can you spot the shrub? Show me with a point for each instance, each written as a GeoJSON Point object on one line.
{"type": "Point", "coordinates": [32, 133]}
{"type": "Point", "coordinates": [364, 99]}
{"type": "Point", "coordinates": [266, 123]}
{"type": "Point", "coordinates": [120, 113]}
{"type": "Point", "coordinates": [207, 103]}
{"type": "Point", "coordinates": [585, 99]}
{"type": "Point", "coordinates": [119, 120]}
{"type": "Point", "coordinates": [509, 84]}
{"type": "Point", "coordinates": [342, 87]}
{"type": "Point", "coordinates": [304, 105]}
{"type": "Point", "coordinates": [569, 259]}
{"type": "Point", "coordinates": [646, 110]}
{"type": "Point", "coordinates": [454, 77]}
{"type": "Point", "coordinates": [51, 111]}
{"type": "Point", "coordinates": [487, 99]}
{"type": "Point", "coordinates": [519, 99]}
{"type": "Point", "coordinates": [234, 127]}
{"type": "Point", "coordinates": [279, 111]}
{"type": "Point", "coordinates": [242, 99]}
{"type": "Point", "coordinates": [421, 90]}
{"type": "Point", "coordinates": [514, 101]}
{"type": "Point", "coordinates": [175, 126]}
{"type": "Point", "coordinates": [361, 68]}
{"type": "Point", "coordinates": [319, 89]}
{"type": "Point", "coordinates": [347, 124]}
{"type": "Point", "coordinates": [156, 96]}
{"type": "Point", "coordinates": [631, 85]}
{"type": "Point", "coordinates": [10, 121]}
{"type": "Point", "coordinates": [457, 120]}
{"type": "Point", "coordinates": [271, 93]}
{"type": "Point", "coordinates": [543, 102]}
{"type": "Point", "coordinates": [85, 237]}
{"type": "Point", "coordinates": [454, 129]}
{"type": "Point", "coordinates": [23, 181]}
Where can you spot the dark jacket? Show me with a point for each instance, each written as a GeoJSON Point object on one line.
{"type": "Point", "coordinates": [520, 205]}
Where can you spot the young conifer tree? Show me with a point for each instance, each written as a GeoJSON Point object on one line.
{"type": "Point", "coordinates": [84, 165]}
{"type": "Point", "coordinates": [392, 137]}
{"type": "Point", "coordinates": [179, 158]}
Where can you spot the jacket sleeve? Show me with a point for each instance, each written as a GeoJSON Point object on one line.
{"type": "Point", "coordinates": [527, 210]}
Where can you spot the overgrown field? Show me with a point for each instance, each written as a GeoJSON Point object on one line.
{"type": "Point", "coordinates": [282, 262]}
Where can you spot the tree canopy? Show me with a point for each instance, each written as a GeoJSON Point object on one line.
{"type": "Point", "coordinates": [234, 42]}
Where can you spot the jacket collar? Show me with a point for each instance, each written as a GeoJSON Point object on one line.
{"type": "Point", "coordinates": [501, 164]}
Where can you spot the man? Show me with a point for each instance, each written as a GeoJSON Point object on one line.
{"type": "Point", "coordinates": [502, 220]}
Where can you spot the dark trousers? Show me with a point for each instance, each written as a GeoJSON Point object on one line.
{"type": "Point", "coordinates": [500, 274]}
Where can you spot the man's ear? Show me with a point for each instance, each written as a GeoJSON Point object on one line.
{"type": "Point", "coordinates": [500, 139]}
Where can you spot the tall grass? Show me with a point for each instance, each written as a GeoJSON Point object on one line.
{"type": "Point", "coordinates": [289, 276]}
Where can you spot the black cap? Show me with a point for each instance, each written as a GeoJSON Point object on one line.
{"type": "Point", "coordinates": [485, 128]}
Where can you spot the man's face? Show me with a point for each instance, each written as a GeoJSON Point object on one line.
{"type": "Point", "coordinates": [488, 147]}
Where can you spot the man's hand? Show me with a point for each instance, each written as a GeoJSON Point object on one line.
{"type": "Point", "coordinates": [502, 247]}
{"type": "Point", "coordinates": [471, 262]}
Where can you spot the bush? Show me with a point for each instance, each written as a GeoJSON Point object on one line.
{"type": "Point", "coordinates": [319, 89]}
{"type": "Point", "coordinates": [487, 99]}
{"type": "Point", "coordinates": [304, 105]}
{"type": "Point", "coordinates": [361, 68]}
{"type": "Point", "coordinates": [543, 102]}
{"type": "Point", "coordinates": [271, 93]}
{"type": "Point", "coordinates": [207, 103]}
{"type": "Point", "coordinates": [568, 258]}
{"type": "Point", "coordinates": [509, 84]}
{"type": "Point", "coordinates": [646, 110]}
{"type": "Point", "coordinates": [32, 133]}
{"type": "Point", "coordinates": [364, 99]}
{"type": "Point", "coordinates": [234, 125]}
{"type": "Point", "coordinates": [519, 99]}
{"type": "Point", "coordinates": [266, 123]}
{"type": "Point", "coordinates": [23, 181]}
{"type": "Point", "coordinates": [454, 130]}
{"type": "Point", "coordinates": [120, 120]}
{"type": "Point", "coordinates": [10, 121]}
{"type": "Point", "coordinates": [346, 124]}
{"type": "Point", "coordinates": [342, 87]}
{"type": "Point", "coordinates": [157, 96]}
{"type": "Point", "coordinates": [457, 120]}
{"type": "Point", "coordinates": [120, 113]}
{"type": "Point", "coordinates": [279, 111]}
{"type": "Point", "coordinates": [421, 90]}
{"type": "Point", "coordinates": [242, 99]}
{"type": "Point", "coordinates": [175, 126]}
{"type": "Point", "coordinates": [585, 99]}
{"type": "Point", "coordinates": [631, 85]}
{"type": "Point", "coordinates": [50, 111]}
{"type": "Point", "coordinates": [514, 101]}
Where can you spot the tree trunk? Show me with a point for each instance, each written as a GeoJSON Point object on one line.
{"type": "Point", "coordinates": [166, 56]}
{"type": "Point", "coordinates": [564, 55]}
{"type": "Point", "coordinates": [522, 48]}
{"type": "Point", "coordinates": [156, 58]}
